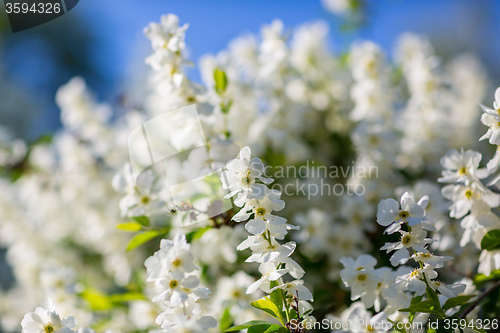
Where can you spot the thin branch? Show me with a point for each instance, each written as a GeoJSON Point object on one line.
{"type": "Point", "coordinates": [479, 299]}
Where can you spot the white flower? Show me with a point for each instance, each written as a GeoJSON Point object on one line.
{"type": "Point", "coordinates": [431, 259]}
{"type": "Point", "coordinates": [231, 292]}
{"type": "Point", "coordinates": [437, 207]}
{"type": "Point", "coordinates": [391, 215]}
{"type": "Point", "coordinates": [414, 239]}
{"type": "Point", "coordinates": [358, 320]}
{"type": "Point", "coordinates": [394, 293]}
{"type": "Point", "coordinates": [178, 323]}
{"type": "Point", "coordinates": [493, 165]}
{"type": "Point", "coordinates": [263, 218]}
{"type": "Point", "coordinates": [262, 251]}
{"type": "Point", "coordinates": [167, 40]}
{"type": "Point", "coordinates": [241, 175]}
{"type": "Point", "coordinates": [415, 282]}
{"type": "Point", "coordinates": [297, 289]}
{"type": "Point", "coordinates": [174, 257]}
{"type": "Point", "coordinates": [464, 196]}
{"type": "Point", "coordinates": [269, 273]}
{"type": "Point", "coordinates": [167, 34]}
{"type": "Point", "coordinates": [167, 268]}
{"type": "Point", "coordinates": [140, 199]}
{"type": "Point", "coordinates": [361, 277]}
{"type": "Point", "coordinates": [461, 166]}
{"type": "Point", "coordinates": [491, 118]}
{"type": "Point", "coordinates": [488, 262]}
{"type": "Point", "coordinates": [175, 291]}
{"type": "Point", "coordinates": [480, 219]}
{"type": "Point", "coordinates": [47, 321]}
{"type": "Point", "coordinates": [447, 291]}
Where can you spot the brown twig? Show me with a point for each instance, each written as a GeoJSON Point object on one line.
{"type": "Point", "coordinates": [479, 299]}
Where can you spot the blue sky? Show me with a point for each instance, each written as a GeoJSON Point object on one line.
{"type": "Point", "coordinates": [461, 24]}
{"type": "Point", "coordinates": [119, 49]}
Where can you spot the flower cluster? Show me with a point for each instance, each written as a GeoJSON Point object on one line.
{"type": "Point", "coordinates": [258, 204]}
{"type": "Point", "coordinates": [286, 95]}
{"type": "Point", "coordinates": [378, 286]}
{"type": "Point", "coordinates": [472, 201]}
{"type": "Point", "coordinates": [171, 86]}
{"type": "Point", "coordinates": [49, 321]}
{"type": "Point", "coordinates": [172, 270]}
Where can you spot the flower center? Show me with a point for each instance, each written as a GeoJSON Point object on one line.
{"type": "Point", "coordinates": [425, 255]}
{"type": "Point", "coordinates": [49, 329]}
{"type": "Point", "coordinates": [176, 262]}
{"type": "Point", "coordinates": [374, 140]}
{"type": "Point", "coordinates": [173, 284]}
{"type": "Point", "coordinates": [404, 214]}
{"type": "Point", "coordinates": [468, 194]}
{"type": "Point", "coordinates": [145, 200]}
{"type": "Point", "coordinates": [260, 211]}
{"type": "Point", "coordinates": [462, 171]}
{"type": "Point", "coordinates": [245, 180]}
{"type": "Point", "coordinates": [406, 239]}
{"type": "Point", "coordinates": [362, 277]}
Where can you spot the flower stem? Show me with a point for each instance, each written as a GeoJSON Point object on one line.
{"type": "Point", "coordinates": [479, 299]}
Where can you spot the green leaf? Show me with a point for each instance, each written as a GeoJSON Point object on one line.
{"type": "Point", "coordinates": [424, 306]}
{"type": "Point", "coordinates": [433, 297]}
{"type": "Point", "coordinates": [97, 300]}
{"type": "Point", "coordinates": [144, 220]}
{"type": "Point", "coordinates": [226, 320]}
{"type": "Point", "coordinates": [480, 279]}
{"type": "Point", "coordinates": [142, 238]}
{"type": "Point", "coordinates": [277, 298]}
{"type": "Point", "coordinates": [456, 301]}
{"type": "Point", "coordinates": [416, 299]}
{"type": "Point", "coordinates": [276, 328]}
{"type": "Point", "coordinates": [220, 81]}
{"type": "Point", "coordinates": [247, 325]}
{"type": "Point", "coordinates": [226, 107]}
{"type": "Point", "coordinates": [258, 328]}
{"type": "Point", "coordinates": [196, 234]}
{"type": "Point", "coordinates": [129, 226]}
{"type": "Point", "coordinates": [127, 297]}
{"type": "Point", "coordinates": [266, 305]}
{"type": "Point", "coordinates": [491, 241]}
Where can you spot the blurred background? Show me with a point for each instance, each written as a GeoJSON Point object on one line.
{"type": "Point", "coordinates": [103, 42]}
